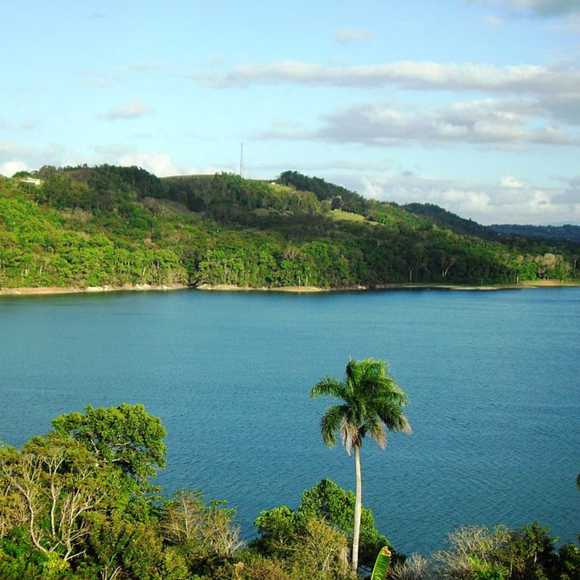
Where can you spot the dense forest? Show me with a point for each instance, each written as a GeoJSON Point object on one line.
{"type": "Point", "coordinates": [115, 226]}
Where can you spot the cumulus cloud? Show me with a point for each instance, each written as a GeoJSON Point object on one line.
{"type": "Point", "coordinates": [13, 158]}
{"type": "Point", "coordinates": [482, 202]}
{"type": "Point", "coordinates": [484, 122]}
{"type": "Point", "coordinates": [9, 168]}
{"type": "Point", "coordinates": [157, 163]}
{"type": "Point", "coordinates": [348, 35]}
{"type": "Point", "coordinates": [16, 157]}
{"type": "Point", "coordinates": [136, 108]}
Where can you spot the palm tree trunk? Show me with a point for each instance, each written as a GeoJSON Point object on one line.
{"type": "Point", "coordinates": [357, 509]}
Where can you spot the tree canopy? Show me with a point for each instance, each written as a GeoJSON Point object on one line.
{"type": "Point", "coordinates": [125, 436]}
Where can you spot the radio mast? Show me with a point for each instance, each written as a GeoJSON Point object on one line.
{"type": "Point", "coordinates": [242, 160]}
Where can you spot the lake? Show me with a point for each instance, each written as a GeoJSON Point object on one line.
{"type": "Point", "coordinates": [493, 380]}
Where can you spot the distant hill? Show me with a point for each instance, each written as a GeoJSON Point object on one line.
{"type": "Point", "coordinates": [445, 218]}
{"type": "Point", "coordinates": [109, 225]}
{"type": "Point", "coordinates": [566, 233]}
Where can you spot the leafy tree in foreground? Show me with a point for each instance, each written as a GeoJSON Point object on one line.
{"type": "Point", "coordinates": [280, 527]}
{"type": "Point", "coordinates": [125, 436]}
{"type": "Point", "coordinates": [48, 489]}
{"type": "Point", "coordinates": [371, 404]}
{"type": "Point", "coordinates": [328, 502]}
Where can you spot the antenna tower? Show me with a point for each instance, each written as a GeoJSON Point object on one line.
{"type": "Point", "coordinates": [242, 160]}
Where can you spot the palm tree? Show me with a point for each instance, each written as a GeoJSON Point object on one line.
{"type": "Point", "coordinates": [371, 405]}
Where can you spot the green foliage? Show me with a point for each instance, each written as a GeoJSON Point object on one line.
{"type": "Point", "coordinates": [68, 508]}
{"type": "Point", "coordinates": [444, 218]}
{"type": "Point", "coordinates": [126, 437]}
{"type": "Point", "coordinates": [327, 501]}
{"type": "Point", "coordinates": [68, 511]}
{"type": "Point", "coordinates": [567, 563]}
{"type": "Point", "coordinates": [382, 564]}
{"type": "Point", "coordinates": [314, 550]}
{"type": "Point", "coordinates": [340, 196]}
{"type": "Point", "coordinates": [371, 404]}
{"type": "Point", "coordinates": [482, 570]}
{"type": "Point", "coordinates": [49, 488]}
{"type": "Point", "coordinates": [279, 528]}
{"type": "Point", "coordinates": [567, 233]}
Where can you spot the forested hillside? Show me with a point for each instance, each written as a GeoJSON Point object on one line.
{"type": "Point", "coordinates": [119, 226]}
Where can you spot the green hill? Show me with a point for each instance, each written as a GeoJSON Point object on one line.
{"type": "Point", "coordinates": [118, 226]}
{"type": "Point", "coordinates": [447, 219]}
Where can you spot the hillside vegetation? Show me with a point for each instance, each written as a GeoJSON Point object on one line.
{"type": "Point", "coordinates": [119, 226]}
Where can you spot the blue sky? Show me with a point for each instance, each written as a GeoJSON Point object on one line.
{"type": "Point", "coordinates": [470, 104]}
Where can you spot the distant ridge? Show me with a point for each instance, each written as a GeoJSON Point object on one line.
{"type": "Point", "coordinates": [564, 233]}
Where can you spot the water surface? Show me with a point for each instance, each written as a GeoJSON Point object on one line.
{"type": "Point", "coordinates": [493, 380]}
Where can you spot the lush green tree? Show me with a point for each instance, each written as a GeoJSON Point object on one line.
{"type": "Point", "coordinates": [336, 506]}
{"type": "Point", "coordinates": [371, 404]}
{"type": "Point", "coordinates": [279, 527]}
{"type": "Point", "coordinates": [125, 436]}
{"type": "Point", "coordinates": [277, 530]}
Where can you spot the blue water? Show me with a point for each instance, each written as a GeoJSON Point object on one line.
{"type": "Point", "coordinates": [493, 380]}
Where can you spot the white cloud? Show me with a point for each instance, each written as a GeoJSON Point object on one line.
{"type": "Point", "coordinates": [136, 108]}
{"type": "Point", "coordinates": [157, 163]}
{"type": "Point", "coordinates": [348, 35]}
{"type": "Point", "coordinates": [482, 202]}
{"type": "Point", "coordinates": [409, 75]}
{"type": "Point", "coordinates": [483, 122]}
{"type": "Point", "coordinates": [9, 168]}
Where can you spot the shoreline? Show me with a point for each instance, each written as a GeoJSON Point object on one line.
{"type": "Point", "coordinates": [55, 290]}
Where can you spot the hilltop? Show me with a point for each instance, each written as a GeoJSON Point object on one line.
{"type": "Point", "coordinates": [116, 226]}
